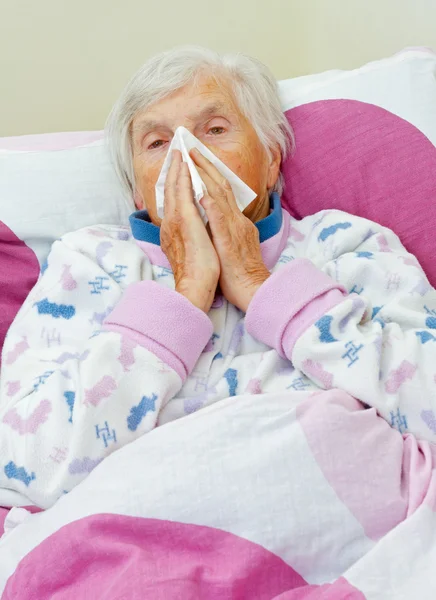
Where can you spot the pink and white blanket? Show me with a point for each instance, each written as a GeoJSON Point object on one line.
{"type": "Point", "coordinates": [282, 496]}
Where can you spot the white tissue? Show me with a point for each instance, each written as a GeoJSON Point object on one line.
{"type": "Point", "coordinates": [184, 141]}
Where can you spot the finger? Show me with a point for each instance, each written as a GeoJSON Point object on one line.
{"type": "Point", "coordinates": [218, 220]}
{"type": "Point", "coordinates": [173, 171]}
{"type": "Point", "coordinates": [184, 195]}
{"type": "Point", "coordinates": [171, 182]}
{"type": "Point", "coordinates": [205, 164]}
{"type": "Point", "coordinates": [224, 199]}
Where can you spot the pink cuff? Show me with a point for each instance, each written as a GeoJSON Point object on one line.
{"type": "Point", "coordinates": [164, 322]}
{"type": "Point", "coordinates": [289, 302]}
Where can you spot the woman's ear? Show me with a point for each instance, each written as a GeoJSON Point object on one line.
{"type": "Point", "coordinates": [139, 202]}
{"type": "Point", "coordinates": [274, 167]}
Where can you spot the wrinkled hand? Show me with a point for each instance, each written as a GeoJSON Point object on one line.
{"type": "Point", "coordinates": [235, 237]}
{"type": "Point", "coordinates": [185, 241]}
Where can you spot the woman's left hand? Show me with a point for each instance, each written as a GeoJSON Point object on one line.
{"type": "Point", "coordinates": [235, 237]}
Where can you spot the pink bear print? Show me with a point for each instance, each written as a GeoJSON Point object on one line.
{"type": "Point", "coordinates": [18, 350]}
{"type": "Point", "coordinates": [33, 421]}
{"type": "Point", "coordinates": [101, 390]}
{"type": "Point", "coordinates": [399, 376]}
{"type": "Point", "coordinates": [13, 387]}
{"type": "Point", "coordinates": [126, 357]}
{"type": "Point", "coordinates": [67, 280]}
{"type": "Point", "coordinates": [317, 371]}
{"type": "Point", "coordinates": [254, 386]}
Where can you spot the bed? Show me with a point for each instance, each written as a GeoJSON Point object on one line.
{"type": "Point", "coordinates": [287, 502]}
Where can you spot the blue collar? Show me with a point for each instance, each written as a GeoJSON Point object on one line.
{"type": "Point", "coordinates": [143, 229]}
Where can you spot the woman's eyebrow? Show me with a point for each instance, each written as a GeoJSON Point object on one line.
{"type": "Point", "coordinates": [148, 125]}
{"type": "Point", "coordinates": [210, 111]}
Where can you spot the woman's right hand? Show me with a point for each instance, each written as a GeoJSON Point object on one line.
{"type": "Point", "coordinates": [185, 241]}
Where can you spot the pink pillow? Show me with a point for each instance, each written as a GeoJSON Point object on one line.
{"type": "Point", "coordinates": [18, 274]}
{"type": "Point", "coordinates": [363, 159]}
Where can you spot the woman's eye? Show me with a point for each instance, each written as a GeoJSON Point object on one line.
{"type": "Point", "coordinates": [156, 144]}
{"type": "Point", "coordinates": [217, 130]}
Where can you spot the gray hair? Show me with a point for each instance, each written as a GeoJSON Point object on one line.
{"type": "Point", "coordinates": [253, 85]}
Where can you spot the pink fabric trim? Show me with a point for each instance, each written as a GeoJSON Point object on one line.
{"type": "Point", "coordinates": [430, 497]}
{"type": "Point", "coordinates": [165, 317]}
{"type": "Point", "coordinates": [154, 254]}
{"type": "Point", "coordinates": [417, 471]}
{"type": "Point", "coordinates": [286, 293]}
{"type": "Point", "coordinates": [111, 556]}
{"type": "Point", "coordinates": [50, 141]}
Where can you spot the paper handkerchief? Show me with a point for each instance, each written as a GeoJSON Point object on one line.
{"type": "Point", "coordinates": [184, 141]}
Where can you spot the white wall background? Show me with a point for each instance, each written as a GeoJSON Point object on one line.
{"type": "Point", "coordinates": [63, 62]}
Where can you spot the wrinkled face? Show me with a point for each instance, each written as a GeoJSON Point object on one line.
{"type": "Point", "coordinates": [209, 111]}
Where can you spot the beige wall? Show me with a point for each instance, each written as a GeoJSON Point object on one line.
{"type": "Point", "coordinates": [63, 62]}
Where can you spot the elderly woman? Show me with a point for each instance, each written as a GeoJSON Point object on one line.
{"type": "Point", "coordinates": [152, 326]}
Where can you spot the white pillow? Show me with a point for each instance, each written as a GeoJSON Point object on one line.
{"type": "Point", "coordinates": [403, 84]}
{"type": "Point", "coordinates": [46, 193]}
